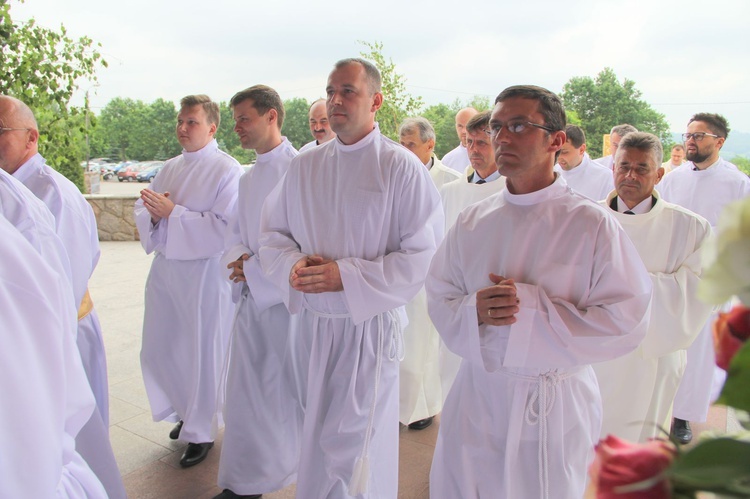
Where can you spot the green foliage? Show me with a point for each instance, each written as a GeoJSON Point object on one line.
{"type": "Point", "coordinates": [717, 465]}
{"type": "Point", "coordinates": [742, 163]}
{"type": "Point", "coordinates": [604, 102]}
{"type": "Point", "coordinates": [134, 130]}
{"type": "Point", "coordinates": [397, 102]}
{"type": "Point", "coordinates": [42, 67]}
{"type": "Point", "coordinates": [443, 119]}
{"type": "Point", "coordinates": [296, 122]}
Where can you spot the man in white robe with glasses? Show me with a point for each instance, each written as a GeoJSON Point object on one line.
{"type": "Point", "coordinates": [524, 288]}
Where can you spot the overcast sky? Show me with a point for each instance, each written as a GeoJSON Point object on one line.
{"type": "Point", "coordinates": [685, 56]}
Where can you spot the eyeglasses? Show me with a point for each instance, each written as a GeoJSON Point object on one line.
{"type": "Point", "coordinates": [6, 129]}
{"type": "Point", "coordinates": [697, 136]}
{"type": "Point", "coordinates": [514, 127]}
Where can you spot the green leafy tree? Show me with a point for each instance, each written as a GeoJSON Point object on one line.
{"type": "Point", "coordinates": [42, 67]}
{"type": "Point", "coordinates": [397, 102]}
{"type": "Point", "coordinates": [296, 122]}
{"type": "Point", "coordinates": [604, 102]}
{"type": "Point", "coordinates": [742, 163]}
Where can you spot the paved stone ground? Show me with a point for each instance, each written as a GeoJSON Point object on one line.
{"type": "Point", "coordinates": [147, 458]}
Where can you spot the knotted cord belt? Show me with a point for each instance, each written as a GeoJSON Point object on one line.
{"type": "Point", "coordinates": [538, 407]}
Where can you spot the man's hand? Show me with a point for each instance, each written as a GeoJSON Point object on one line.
{"type": "Point", "coordinates": [497, 305]}
{"type": "Point", "coordinates": [158, 205]}
{"type": "Point", "coordinates": [315, 274]}
{"type": "Point", "coordinates": [238, 273]}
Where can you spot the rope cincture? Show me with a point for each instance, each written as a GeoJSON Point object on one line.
{"type": "Point", "coordinates": [544, 396]}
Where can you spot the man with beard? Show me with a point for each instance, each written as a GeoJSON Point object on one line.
{"type": "Point", "coordinates": [319, 126]}
{"type": "Point", "coordinates": [705, 185]}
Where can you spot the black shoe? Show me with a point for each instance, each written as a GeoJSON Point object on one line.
{"type": "Point", "coordinates": [175, 433]}
{"type": "Point", "coordinates": [195, 453]}
{"type": "Point", "coordinates": [421, 424]}
{"type": "Point", "coordinates": [228, 494]}
{"type": "Point", "coordinates": [681, 431]}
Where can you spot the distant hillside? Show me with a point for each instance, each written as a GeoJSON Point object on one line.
{"type": "Point", "coordinates": [738, 144]}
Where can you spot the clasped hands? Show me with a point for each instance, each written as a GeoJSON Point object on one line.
{"type": "Point", "coordinates": [158, 205]}
{"type": "Point", "coordinates": [497, 305]}
{"type": "Point", "coordinates": [315, 274]}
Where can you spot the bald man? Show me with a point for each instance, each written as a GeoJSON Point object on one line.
{"type": "Point", "coordinates": [75, 225]}
{"type": "Point", "coordinates": [319, 126]}
{"type": "Point", "coordinates": [458, 158]}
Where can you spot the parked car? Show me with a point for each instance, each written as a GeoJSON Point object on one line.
{"type": "Point", "coordinates": [129, 172]}
{"type": "Point", "coordinates": [148, 174]}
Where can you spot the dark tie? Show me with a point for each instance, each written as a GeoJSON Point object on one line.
{"type": "Point", "coordinates": [481, 181]}
{"type": "Point", "coordinates": [629, 212]}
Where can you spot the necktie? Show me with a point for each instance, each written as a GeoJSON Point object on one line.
{"type": "Point", "coordinates": [629, 212]}
{"type": "Point", "coordinates": [481, 181]}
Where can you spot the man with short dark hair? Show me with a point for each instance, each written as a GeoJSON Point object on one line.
{"type": "Point", "coordinates": [524, 288]}
{"type": "Point", "coordinates": [182, 217]}
{"type": "Point", "coordinates": [263, 414]}
{"type": "Point", "coordinates": [704, 185]}
{"type": "Point", "coordinates": [347, 236]}
{"type": "Point", "coordinates": [458, 158]}
{"type": "Point", "coordinates": [615, 136]}
{"type": "Point", "coordinates": [319, 126]}
{"type": "Point", "coordinates": [579, 171]}
{"type": "Point", "coordinates": [638, 389]}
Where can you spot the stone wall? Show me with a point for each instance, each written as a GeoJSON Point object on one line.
{"type": "Point", "coordinates": [114, 217]}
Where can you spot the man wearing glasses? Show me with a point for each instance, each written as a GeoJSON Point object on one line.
{"type": "Point", "coordinates": [705, 185]}
{"type": "Point", "coordinates": [524, 290]}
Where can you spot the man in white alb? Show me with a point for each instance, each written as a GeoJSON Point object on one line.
{"type": "Point", "coordinates": [581, 173]}
{"type": "Point", "coordinates": [704, 185]}
{"type": "Point", "coordinates": [458, 158]}
{"type": "Point", "coordinates": [675, 160]}
{"type": "Point", "coordinates": [638, 388]}
{"type": "Point", "coordinates": [262, 414]}
{"type": "Point", "coordinates": [319, 126]}
{"type": "Point", "coordinates": [347, 236]}
{"type": "Point", "coordinates": [420, 397]}
{"type": "Point", "coordinates": [46, 395]}
{"type": "Point", "coordinates": [182, 216]}
{"type": "Point", "coordinates": [524, 288]}
{"type": "Point", "coordinates": [75, 225]}
{"type": "Point", "coordinates": [615, 136]}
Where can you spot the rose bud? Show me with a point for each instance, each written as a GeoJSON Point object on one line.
{"type": "Point", "coordinates": [619, 463]}
{"type": "Point", "coordinates": [731, 330]}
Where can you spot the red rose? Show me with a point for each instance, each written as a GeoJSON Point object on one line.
{"type": "Point", "coordinates": [619, 463]}
{"type": "Point", "coordinates": [731, 330]}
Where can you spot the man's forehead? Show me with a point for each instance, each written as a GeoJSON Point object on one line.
{"type": "Point", "coordinates": [515, 108]}
{"type": "Point", "coordinates": [699, 125]}
{"type": "Point", "coordinates": [192, 111]}
{"type": "Point", "coordinates": [318, 110]}
{"type": "Point", "coordinates": [412, 135]}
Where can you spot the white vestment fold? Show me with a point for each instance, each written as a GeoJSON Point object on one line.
{"type": "Point", "coordinates": [524, 412]}
{"type": "Point", "coordinates": [420, 394]}
{"type": "Point", "coordinates": [47, 398]}
{"type": "Point", "coordinates": [589, 178]}
{"type": "Point", "coordinates": [189, 308]}
{"type": "Point", "coordinates": [457, 158]}
{"type": "Point", "coordinates": [372, 208]}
